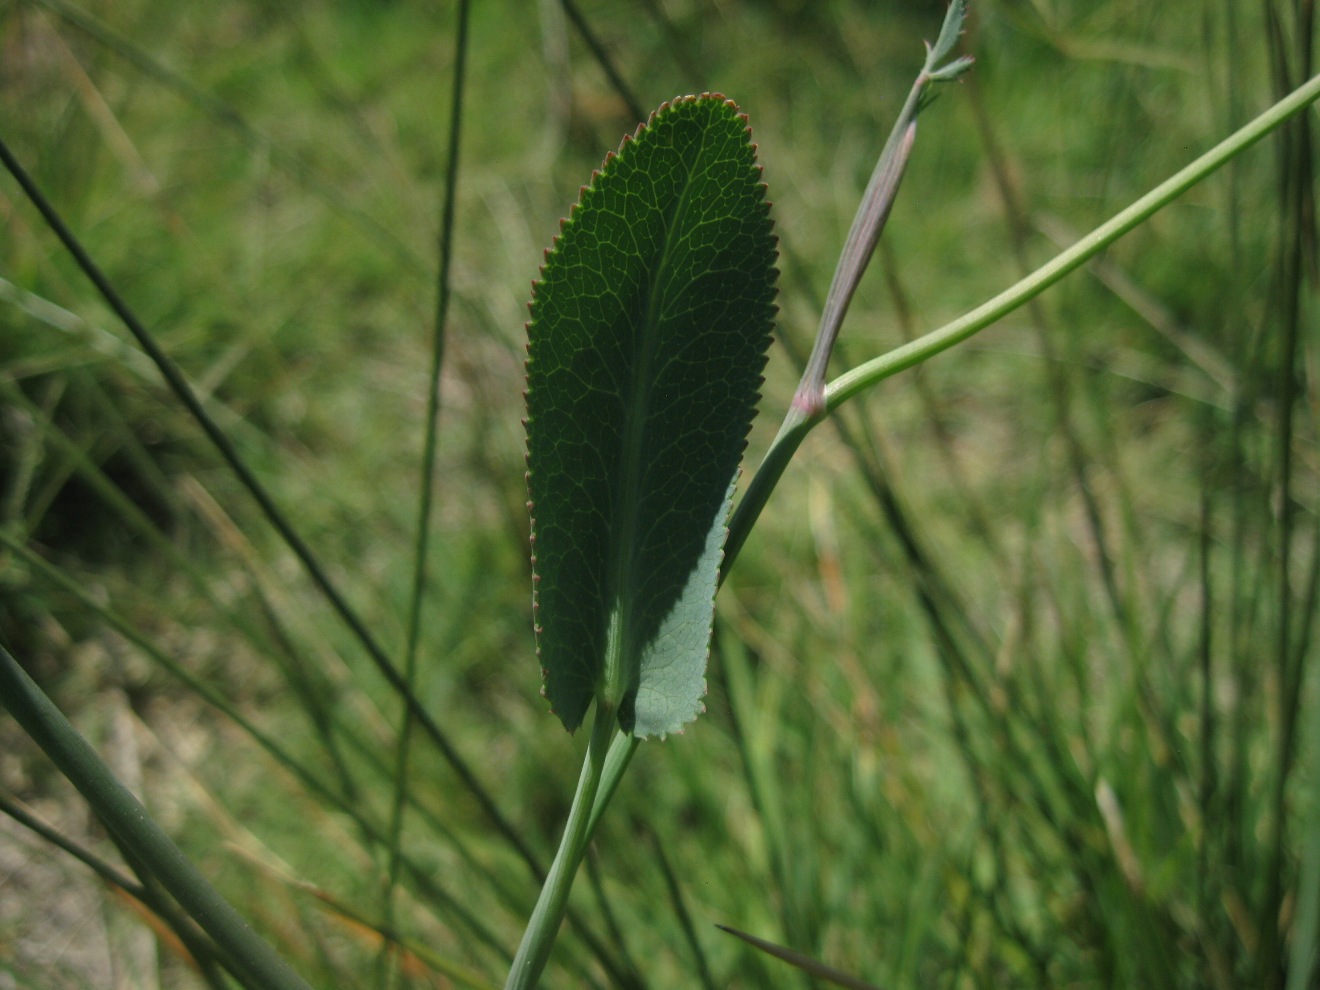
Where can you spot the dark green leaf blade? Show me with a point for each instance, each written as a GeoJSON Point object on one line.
{"type": "Point", "coordinates": [648, 336]}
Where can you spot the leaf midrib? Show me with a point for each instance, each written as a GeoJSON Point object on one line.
{"type": "Point", "coordinates": [620, 650]}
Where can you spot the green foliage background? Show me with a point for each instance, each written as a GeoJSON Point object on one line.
{"type": "Point", "coordinates": [1000, 693]}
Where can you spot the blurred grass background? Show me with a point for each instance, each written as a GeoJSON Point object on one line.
{"type": "Point", "coordinates": [1012, 683]}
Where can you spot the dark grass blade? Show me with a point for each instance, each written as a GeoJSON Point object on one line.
{"type": "Point", "coordinates": [602, 57]}
{"type": "Point", "coordinates": [679, 902]}
{"type": "Point", "coordinates": [812, 967]}
{"type": "Point", "coordinates": [183, 936]}
{"type": "Point", "coordinates": [121, 812]}
{"type": "Point", "coordinates": [426, 482]}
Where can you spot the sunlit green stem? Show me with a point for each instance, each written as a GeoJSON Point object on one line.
{"type": "Point", "coordinates": [616, 762]}
{"type": "Point", "coordinates": [797, 425]}
{"type": "Point", "coordinates": [548, 914]}
{"type": "Point", "coordinates": [426, 489]}
{"type": "Point", "coordinates": [878, 369]}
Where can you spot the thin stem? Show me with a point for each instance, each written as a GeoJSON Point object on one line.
{"type": "Point", "coordinates": [684, 915]}
{"type": "Point", "coordinates": [603, 59]}
{"type": "Point", "coordinates": [107, 872]}
{"type": "Point", "coordinates": [900, 359]}
{"type": "Point", "coordinates": [804, 962]}
{"type": "Point", "coordinates": [427, 480]}
{"type": "Point", "coordinates": [616, 762]}
{"type": "Point", "coordinates": [797, 425]}
{"type": "Point", "coordinates": [339, 799]}
{"type": "Point", "coordinates": [873, 213]}
{"type": "Point", "coordinates": [1294, 146]}
{"type": "Point", "coordinates": [794, 430]}
{"type": "Point", "coordinates": [867, 226]}
{"type": "Point", "coordinates": [204, 952]}
{"type": "Point", "coordinates": [546, 917]}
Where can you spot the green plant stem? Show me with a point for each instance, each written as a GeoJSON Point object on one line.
{"type": "Point", "coordinates": [256, 963]}
{"type": "Point", "coordinates": [616, 762]}
{"type": "Point", "coordinates": [873, 212]}
{"type": "Point", "coordinates": [797, 424]}
{"type": "Point", "coordinates": [603, 59]}
{"type": "Point", "coordinates": [150, 896]}
{"type": "Point", "coordinates": [543, 926]}
{"type": "Point", "coordinates": [900, 359]}
{"type": "Point", "coordinates": [426, 484]}
{"type": "Point", "coordinates": [812, 967]}
{"type": "Point", "coordinates": [1305, 949]}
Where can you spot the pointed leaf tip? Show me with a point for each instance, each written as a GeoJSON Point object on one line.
{"type": "Point", "coordinates": [949, 33]}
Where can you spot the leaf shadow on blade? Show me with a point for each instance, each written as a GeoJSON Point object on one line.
{"type": "Point", "coordinates": [648, 337]}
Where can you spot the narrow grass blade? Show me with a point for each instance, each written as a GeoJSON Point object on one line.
{"type": "Point", "coordinates": [812, 967]}
{"type": "Point", "coordinates": [106, 871]}
{"type": "Point", "coordinates": [684, 915]}
{"type": "Point", "coordinates": [602, 57]}
{"type": "Point", "coordinates": [371, 832]}
{"type": "Point", "coordinates": [122, 813]}
{"type": "Point", "coordinates": [426, 482]}
{"type": "Point", "coordinates": [1304, 952]}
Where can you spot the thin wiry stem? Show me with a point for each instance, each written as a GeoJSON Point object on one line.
{"type": "Point", "coordinates": [1296, 256]}
{"type": "Point", "coordinates": [812, 967]}
{"type": "Point", "coordinates": [808, 405]}
{"type": "Point", "coordinates": [900, 359]}
{"type": "Point", "coordinates": [871, 373]}
{"type": "Point", "coordinates": [603, 59]}
{"type": "Point", "coordinates": [872, 214]}
{"type": "Point", "coordinates": [205, 954]}
{"type": "Point", "coordinates": [336, 798]}
{"type": "Point", "coordinates": [426, 484]}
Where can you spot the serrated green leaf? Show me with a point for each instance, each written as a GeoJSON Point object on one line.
{"type": "Point", "coordinates": [648, 336]}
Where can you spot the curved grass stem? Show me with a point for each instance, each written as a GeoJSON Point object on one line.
{"type": "Point", "coordinates": [900, 359]}
{"type": "Point", "coordinates": [426, 486]}
{"type": "Point", "coordinates": [799, 422]}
